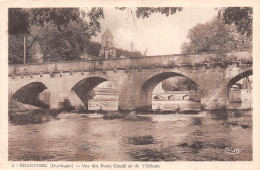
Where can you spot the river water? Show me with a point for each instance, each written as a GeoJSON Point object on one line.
{"type": "Point", "coordinates": [88, 137]}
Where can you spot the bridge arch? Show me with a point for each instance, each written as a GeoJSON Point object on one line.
{"type": "Point", "coordinates": [81, 92]}
{"type": "Point", "coordinates": [239, 85]}
{"type": "Point", "coordinates": [166, 73]}
{"type": "Point", "coordinates": [152, 81]}
{"type": "Point", "coordinates": [78, 77]}
{"type": "Point", "coordinates": [185, 96]}
{"type": "Point", "coordinates": [235, 96]}
{"type": "Point", "coordinates": [29, 94]}
{"type": "Point", "coordinates": [239, 76]}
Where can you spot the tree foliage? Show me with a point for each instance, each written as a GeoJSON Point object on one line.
{"type": "Point", "coordinates": [18, 22]}
{"type": "Point", "coordinates": [126, 53]}
{"type": "Point", "coordinates": [21, 19]}
{"type": "Point", "coordinates": [15, 49]}
{"type": "Point", "coordinates": [61, 32]}
{"type": "Point", "coordinates": [179, 84]}
{"type": "Point", "coordinates": [146, 12]}
{"type": "Point", "coordinates": [93, 49]}
{"type": "Point", "coordinates": [215, 35]}
{"type": "Point", "coordinates": [242, 17]}
{"type": "Point", "coordinates": [66, 44]}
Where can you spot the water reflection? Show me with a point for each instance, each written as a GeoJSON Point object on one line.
{"type": "Point", "coordinates": [74, 137]}
{"type": "Point", "coordinates": [141, 140]}
{"type": "Point", "coordinates": [196, 121]}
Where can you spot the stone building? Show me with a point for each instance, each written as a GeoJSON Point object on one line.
{"type": "Point", "coordinates": [107, 46]}
{"type": "Point", "coordinates": [158, 89]}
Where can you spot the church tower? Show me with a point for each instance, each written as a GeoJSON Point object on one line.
{"type": "Point", "coordinates": [107, 46]}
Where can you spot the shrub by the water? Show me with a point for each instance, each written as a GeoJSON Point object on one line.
{"type": "Point", "coordinates": [101, 111]}
{"type": "Point", "coordinates": [79, 109]}
{"type": "Point", "coordinates": [28, 117]}
{"type": "Point", "coordinates": [195, 144]}
{"type": "Point", "coordinates": [137, 118]}
{"type": "Point", "coordinates": [112, 115]}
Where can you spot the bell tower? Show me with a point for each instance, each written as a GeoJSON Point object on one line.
{"type": "Point", "coordinates": [107, 46]}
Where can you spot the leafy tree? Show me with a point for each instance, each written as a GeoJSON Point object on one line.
{"type": "Point", "coordinates": [21, 19]}
{"type": "Point", "coordinates": [66, 44]}
{"type": "Point", "coordinates": [126, 53]}
{"type": "Point", "coordinates": [215, 35]}
{"type": "Point", "coordinates": [15, 49]}
{"type": "Point", "coordinates": [61, 32]}
{"type": "Point", "coordinates": [146, 12]}
{"type": "Point", "coordinates": [93, 48]}
{"type": "Point", "coordinates": [242, 17]}
{"type": "Point", "coordinates": [178, 84]}
{"type": "Point", "coordinates": [17, 21]}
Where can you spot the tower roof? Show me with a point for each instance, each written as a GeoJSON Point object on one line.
{"type": "Point", "coordinates": [107, 33]}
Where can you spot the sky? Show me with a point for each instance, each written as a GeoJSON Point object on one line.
{"type": "Point", "coordinates": [159, 34]}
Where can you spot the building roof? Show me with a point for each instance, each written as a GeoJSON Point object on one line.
{"type": "Point", "coordinates": [107, 33]}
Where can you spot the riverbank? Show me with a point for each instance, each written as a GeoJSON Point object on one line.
{"type": "Point", "coordinates": [28, 117]}
{"type": "Point", "coordinates": [19, 113]}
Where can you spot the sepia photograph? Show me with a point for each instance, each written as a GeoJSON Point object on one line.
{"type": "Point", "coordinates": [130, 84]}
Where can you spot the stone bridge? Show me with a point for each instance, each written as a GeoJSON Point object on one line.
{"type": "Point", "coordinates": [135, 78]}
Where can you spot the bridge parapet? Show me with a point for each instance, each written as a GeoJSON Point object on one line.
{"type": "Point", "coordinates": [217, 59]}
